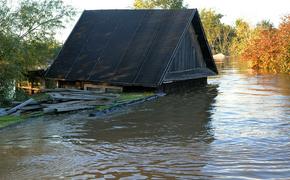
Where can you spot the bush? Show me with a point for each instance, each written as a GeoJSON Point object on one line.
{"type": "Point", "coordinates": [269, 49]}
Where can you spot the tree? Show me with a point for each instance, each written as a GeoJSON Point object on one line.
{"type": "Point", "coordinates": [269, 48]}
{"type": "Point", "coordinates": [27, 37]}
{"type": "Point", "coordinates": [284, 44]}
{"type": "Point", "coordinates": [164, 4]}
{"type": "Point", "coordinates": [224, 39]}
{"type": "Point", "coordinates": [243, 33]}
{"type": "Point", "coordinates": [218, 34]}
{"type": "Point", "coordinates": [265, 24]}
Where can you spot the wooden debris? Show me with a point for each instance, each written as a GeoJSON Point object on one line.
{"type": "Point", "coordinates": [17, 113]}
{"type": "Point", "coordinates": [60, 96]}
{"type": "Point", "coordinates": [62, 90]}
{"type": "Point", "coordinates": [68, 103]}
{"type": "Point", "coordinates": [16, 103]}
{"type": "Point", "coordinates": [31, 107]}
{"type": "Point", "coordinates": [13, 110]}
{"type": "Point", "coordinates": [65, 100]}
{"type": "Point", "coordinates": [73, 108]}
{"type": "Point", "coordinates": [77, 91]}
{"type": "Point", "coordinates": [72, 103]}
{"type": "Point", "coordinates": [3, 112]}
{"type": "Point", "coordinates": [48, 110]}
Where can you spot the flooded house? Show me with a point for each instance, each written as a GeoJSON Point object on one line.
{"type": "Point", "coordinates": [130, 50]}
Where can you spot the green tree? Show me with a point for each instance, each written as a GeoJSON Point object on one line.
{"type": "Point", "coordinates": [164, 4]}
{"type": "Point", "coordinates": [243, 33]}
{"type": "Point", "coordinates": [265, 24]}
{"type": "Point", "coordinates": [218, 34]}
{"type": "Point", "coordinates": [224, 39]}
{"type": "Point", "coordinates": [27, 40]}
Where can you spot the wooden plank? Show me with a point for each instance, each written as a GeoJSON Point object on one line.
{"type": "Point", "coordinates": [103, 88]}
{"type": "Point", "coordinates": [15, 103]}
{"type": "Point", "coordinates": [3, 112]}
{"type": "Point", "coordinates": [49, 110]}
{"type": "Point", "coordinates": [30, 108]}
{"type": "Point", "coordinates": [59, 90]}
{"type": "Point", "coordinates": [74, 108]}
{"type": "Point", "coordinates": [97, 103]}
{"type": "Point", "coordinates": [59, 96]}
{"type": "Point", "coordinates": [17, 113]}
{"type": "Point", "coordinates": [61, 103]}
{"type": "Point", "coordinates": [66, 109]}
{"type": "Point", "coordinates": [111, 95]}
{"type": "Point", "coordinates": [12, 110]}
{"type": "Point", "coordinates": [71, 90]}
{"type": "Point", "coordinates": [77, 103]}
{"type": "Point", "coordinates": [76, 91]}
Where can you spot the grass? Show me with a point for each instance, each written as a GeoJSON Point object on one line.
{"type": "Point", "coordinates": [124, 98]}
{"type": "Point", "coordinates": [133, 96]}
{"type": "Point", "coordinates": [103, 107]}
{"type": "Point", "coordinates": [11, 119]}
{"type": "Point", "coordinates": [8, 120]}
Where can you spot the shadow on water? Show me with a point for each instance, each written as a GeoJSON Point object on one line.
{"type": "Point", "coordinates": [183, 116]}
{"type": "Point", "coordinates": [163, 138]}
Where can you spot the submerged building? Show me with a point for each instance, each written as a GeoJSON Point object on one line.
{"type": "Point", "coordinates": [134, 49]}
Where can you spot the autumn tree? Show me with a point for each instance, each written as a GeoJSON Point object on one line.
{"type": "Point", "coordinates": [27, 41]}
{"type": "Point", "coordinates": [284, 42]}
{"type": "Point", "coordinates": [163, 4]}
{"type": "Point", "coordinates": [269, 48]}
{"type": "Point", "coordinates": [243, 33]}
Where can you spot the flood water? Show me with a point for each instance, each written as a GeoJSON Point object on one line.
{"type": "Point", "coordinates": [238, 127]}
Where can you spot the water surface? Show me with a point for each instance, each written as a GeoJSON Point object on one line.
{"type": "Point", "coordinates": [237, 127]}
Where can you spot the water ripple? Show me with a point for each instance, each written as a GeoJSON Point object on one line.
{"type": "Point", "coordinates": [237, 127]}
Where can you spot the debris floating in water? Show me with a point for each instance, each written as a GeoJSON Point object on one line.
{"type": "Point", "coordinates": [66, 100]}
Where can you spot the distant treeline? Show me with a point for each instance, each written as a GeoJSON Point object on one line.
{"type": "Point", "coordinates": [265, 47]}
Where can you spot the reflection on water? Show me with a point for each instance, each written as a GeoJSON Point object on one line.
{"type": "Point", "coordinates": [235, 128]}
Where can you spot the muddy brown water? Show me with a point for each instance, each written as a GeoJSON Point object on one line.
{"type": "Point", "coordinates": [238, 127]}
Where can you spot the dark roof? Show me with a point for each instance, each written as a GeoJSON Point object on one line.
{"type": "Point", "coordinates": [126, 47]}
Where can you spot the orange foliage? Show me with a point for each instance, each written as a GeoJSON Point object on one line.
{"type": "Point", "coordinates": [269, 49]}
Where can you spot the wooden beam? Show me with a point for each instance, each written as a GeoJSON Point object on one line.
{"type": "Point", "coordinates": [25, 103]}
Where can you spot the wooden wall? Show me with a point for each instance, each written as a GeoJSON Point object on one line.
{"type": "Point", "coordinates": [189, 55]}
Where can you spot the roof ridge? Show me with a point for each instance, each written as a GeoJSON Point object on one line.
{"type": "Point", "coordinates": [191, 9]}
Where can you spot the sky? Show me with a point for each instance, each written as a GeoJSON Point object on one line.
{"type": "Point", "coordinates": [252, 11]}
